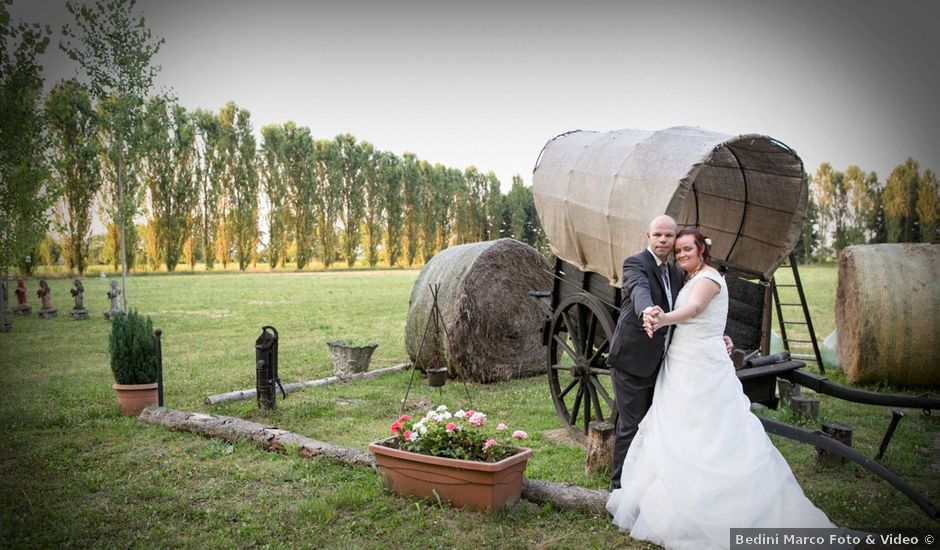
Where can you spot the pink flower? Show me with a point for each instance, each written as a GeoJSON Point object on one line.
{"type": "Point", "coordinates": [470, 412]}
{"type": "Point", "coordinates": [396, 427]}
{"type": "Point", "coordinates": [519, 434]}
{"type": "Point", "coordinates": [407, 435]}
{"type": "Point", "coordinates": [500, 427]}
{"type": "Point", "coordinates": [489, 443]}
{"type": "Point", "coordinates": [450, 427]}
{"type": "Point", "coordinates": [404, 418]}
{"type": "Point", "coordinates": [477, 419]}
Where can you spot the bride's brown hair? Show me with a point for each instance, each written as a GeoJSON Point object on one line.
{"type": "Point", "coordinates": [703, 247]}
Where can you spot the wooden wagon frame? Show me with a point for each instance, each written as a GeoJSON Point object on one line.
{"type": "Point", "coordinates": [595, 194]}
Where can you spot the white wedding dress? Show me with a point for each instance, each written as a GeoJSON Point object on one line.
{"type": "Point", "coordinates": [701, 463]}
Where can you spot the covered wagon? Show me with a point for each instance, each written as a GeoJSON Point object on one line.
{"type": "Point", "coordinates": [597, 192]}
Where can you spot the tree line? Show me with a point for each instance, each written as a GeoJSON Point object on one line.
{"type": "Point", "coordinates": [208, 191]}
{"type": "Point", "coordinates": [853, 207]}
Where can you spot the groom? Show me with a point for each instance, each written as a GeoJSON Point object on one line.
{"type": "Point", "coordinates": [649, 281]}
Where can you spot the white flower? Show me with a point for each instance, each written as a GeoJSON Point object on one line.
{"type": "Point", "coordinates": [423, 430]}
{"type": "Point", "coordinates": [441, 408]}
{"type": "Point", "coordinates": [446, 416]}
{"type": "Point", "coordinates": [414, 435]}
{"type": "Point", "coordinates": [460, 414]}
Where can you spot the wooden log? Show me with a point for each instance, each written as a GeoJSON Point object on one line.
{"type": "Point", "coordinates": [805, 406]}
{"type": "Point", "coordinates": [787, 389]}
{"type": "Point", "coordinates": [560, 495]}
{"type": "Point", "coordinates": [840, 432]}
{"type": "Point", "coordinates": [243, 395]}
{"type": "Point", "coordinates": [600, 447]}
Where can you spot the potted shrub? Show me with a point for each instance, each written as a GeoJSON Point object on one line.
{"type": "Point", "coordinates": [453, 456]}
{"type": "Point", "coordinates": [133, 362]}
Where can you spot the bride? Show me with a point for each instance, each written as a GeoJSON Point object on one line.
{"type": "Point", "coordinates": [701, 463]}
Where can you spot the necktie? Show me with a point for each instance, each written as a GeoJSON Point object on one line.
{"type": "Point", "coordinates": [664, 273]}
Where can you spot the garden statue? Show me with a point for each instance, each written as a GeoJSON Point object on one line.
{"type": "Point", "coordinates": [79, 312]}
{"type": "Point", "coordinates": [113, 295]}
{"type": "Point", "coordinates": [22, 306]}
{"type": "Point", "coordinates": [47, 311]}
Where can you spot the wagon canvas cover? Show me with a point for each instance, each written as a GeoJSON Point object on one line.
{"type": "Point", "coordinates": [597, 192]}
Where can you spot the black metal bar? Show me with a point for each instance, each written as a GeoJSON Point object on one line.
{"type": "Point", "coordinates": [834, 446]}
{"type": "Point", "coordinates": [744, 213]}
{"type": "Point", "coordinates": [896, 416]}
{"type": "Point", "coordinates": [821, 384]}
{"type": "Point", "coordinates": [158, 348]}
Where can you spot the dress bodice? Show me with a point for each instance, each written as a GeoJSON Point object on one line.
{"type": "Point", "coordinates": [711, 321]}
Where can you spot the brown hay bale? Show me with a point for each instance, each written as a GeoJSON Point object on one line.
{"type": "Point", "coordinates": [492, 324]}
{"type": "Point", "coordinates": [887, 301]}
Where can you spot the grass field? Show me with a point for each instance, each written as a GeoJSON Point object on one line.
{"type": "Point", "coordinates": [76, 473]}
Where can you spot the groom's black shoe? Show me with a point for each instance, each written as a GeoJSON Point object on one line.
{"type": "Point", "coordinates": [614, 485]}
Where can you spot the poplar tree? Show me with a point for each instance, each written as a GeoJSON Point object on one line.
{"type": "Point", "coordinates": [169, 151]}
{"type": "Point", "coordinates": [494, 204]}
{"type": "Point", "coordinates": [861, 203]}
{"type": "Point", "coordinates": [25, 191]}
{"type": "Point", "coordinates": [240, 185]}
{"type": "Point", "coordinates": [516, 201]}
{"type": "Point", "coordinates": [900, 200]}
{"type": "Point", "coordinates": [301, 190]}
{"type": "Point", "coordinates": [328, 181]}
{"type": "Point", "coordinates": [832, 199]}
{"type": "Point", "coordinates": [114, 48]}
{"type": "Point", "coordinates": [374, 203]}
{"type": "Point", "coordinates": [207, 173]}
{"type": "Point", "coordinates": [273, 181]}
{"type": "Point", "coordinates": [73, 130]}
{"type": "Point", "coordinates": [430, 184]}
{"type": "Point", "coordinates": [928, 211]}
{"type": "Point", "coordinates": [350, 159]}
{"type": "Point", "coordinates": [411, 187]}
{"type": "Point", "coordinates": [389, 177]}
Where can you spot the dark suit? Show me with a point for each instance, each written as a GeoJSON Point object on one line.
{"type": "Point", "coordinates": [634, 357]}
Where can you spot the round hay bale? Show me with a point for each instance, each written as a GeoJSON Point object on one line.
{"type": "Point", "coordinates": [887, 300]}
{"type": "Point", "coordinates": [492, 324]}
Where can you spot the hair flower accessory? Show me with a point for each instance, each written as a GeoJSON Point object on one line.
{"type": "Point", "coordinates": [708, 241]}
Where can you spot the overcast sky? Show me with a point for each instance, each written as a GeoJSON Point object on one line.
{"type": "Point", "coordinates": [487, 83]}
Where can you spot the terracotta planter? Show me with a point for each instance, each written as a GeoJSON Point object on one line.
{"type": "Point", "coordinates": [133, 398]}
{"type": "Point", "coordinates": [481, 485]}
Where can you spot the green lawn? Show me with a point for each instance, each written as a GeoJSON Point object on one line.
{"type": "Point", "coordinates": [76, 473]}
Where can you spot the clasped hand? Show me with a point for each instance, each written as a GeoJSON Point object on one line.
{"type": "Point", "coordinates": [653, 320]}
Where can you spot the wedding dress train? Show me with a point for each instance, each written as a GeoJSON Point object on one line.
{"type": "Point", "coordinates": [701, 462]}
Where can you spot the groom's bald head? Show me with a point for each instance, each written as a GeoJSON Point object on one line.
{"type": "Point", "coordinates": [661, 236]}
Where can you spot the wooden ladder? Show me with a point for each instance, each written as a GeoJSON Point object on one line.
{"type": "Point", "coordinates": [802, 339]}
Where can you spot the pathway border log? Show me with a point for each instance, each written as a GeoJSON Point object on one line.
{"type": "Point", "coordinates": [560, 495]}
{"type": "Point", "coordinates": [244, 395]}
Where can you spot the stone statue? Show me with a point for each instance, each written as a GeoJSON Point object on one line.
{"type": "Point", "coordinates": [79, 312]}
{"type": "Point", "coordinates": [47, 311]}
{"type": "Point", "coordinates": [113, 294]}
{"type": "Point", "coordinates": [22, 306]}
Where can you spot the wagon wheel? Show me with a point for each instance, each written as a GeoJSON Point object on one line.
{"type": "Point", "coordinates": [577, 363]}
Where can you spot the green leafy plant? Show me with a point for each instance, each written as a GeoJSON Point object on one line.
{"type": "Point", "coordinates": [463, 435]}
{"type": "Point", "coordinates": [133, 355]}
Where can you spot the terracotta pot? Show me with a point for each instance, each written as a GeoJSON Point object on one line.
{"type": "Point", "coordinates": [133, 398]}
{"type": "Point", "coordinates": [481, 485]}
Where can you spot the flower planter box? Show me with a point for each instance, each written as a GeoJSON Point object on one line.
{"type": "Point", "coordinates": [481, 485]}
